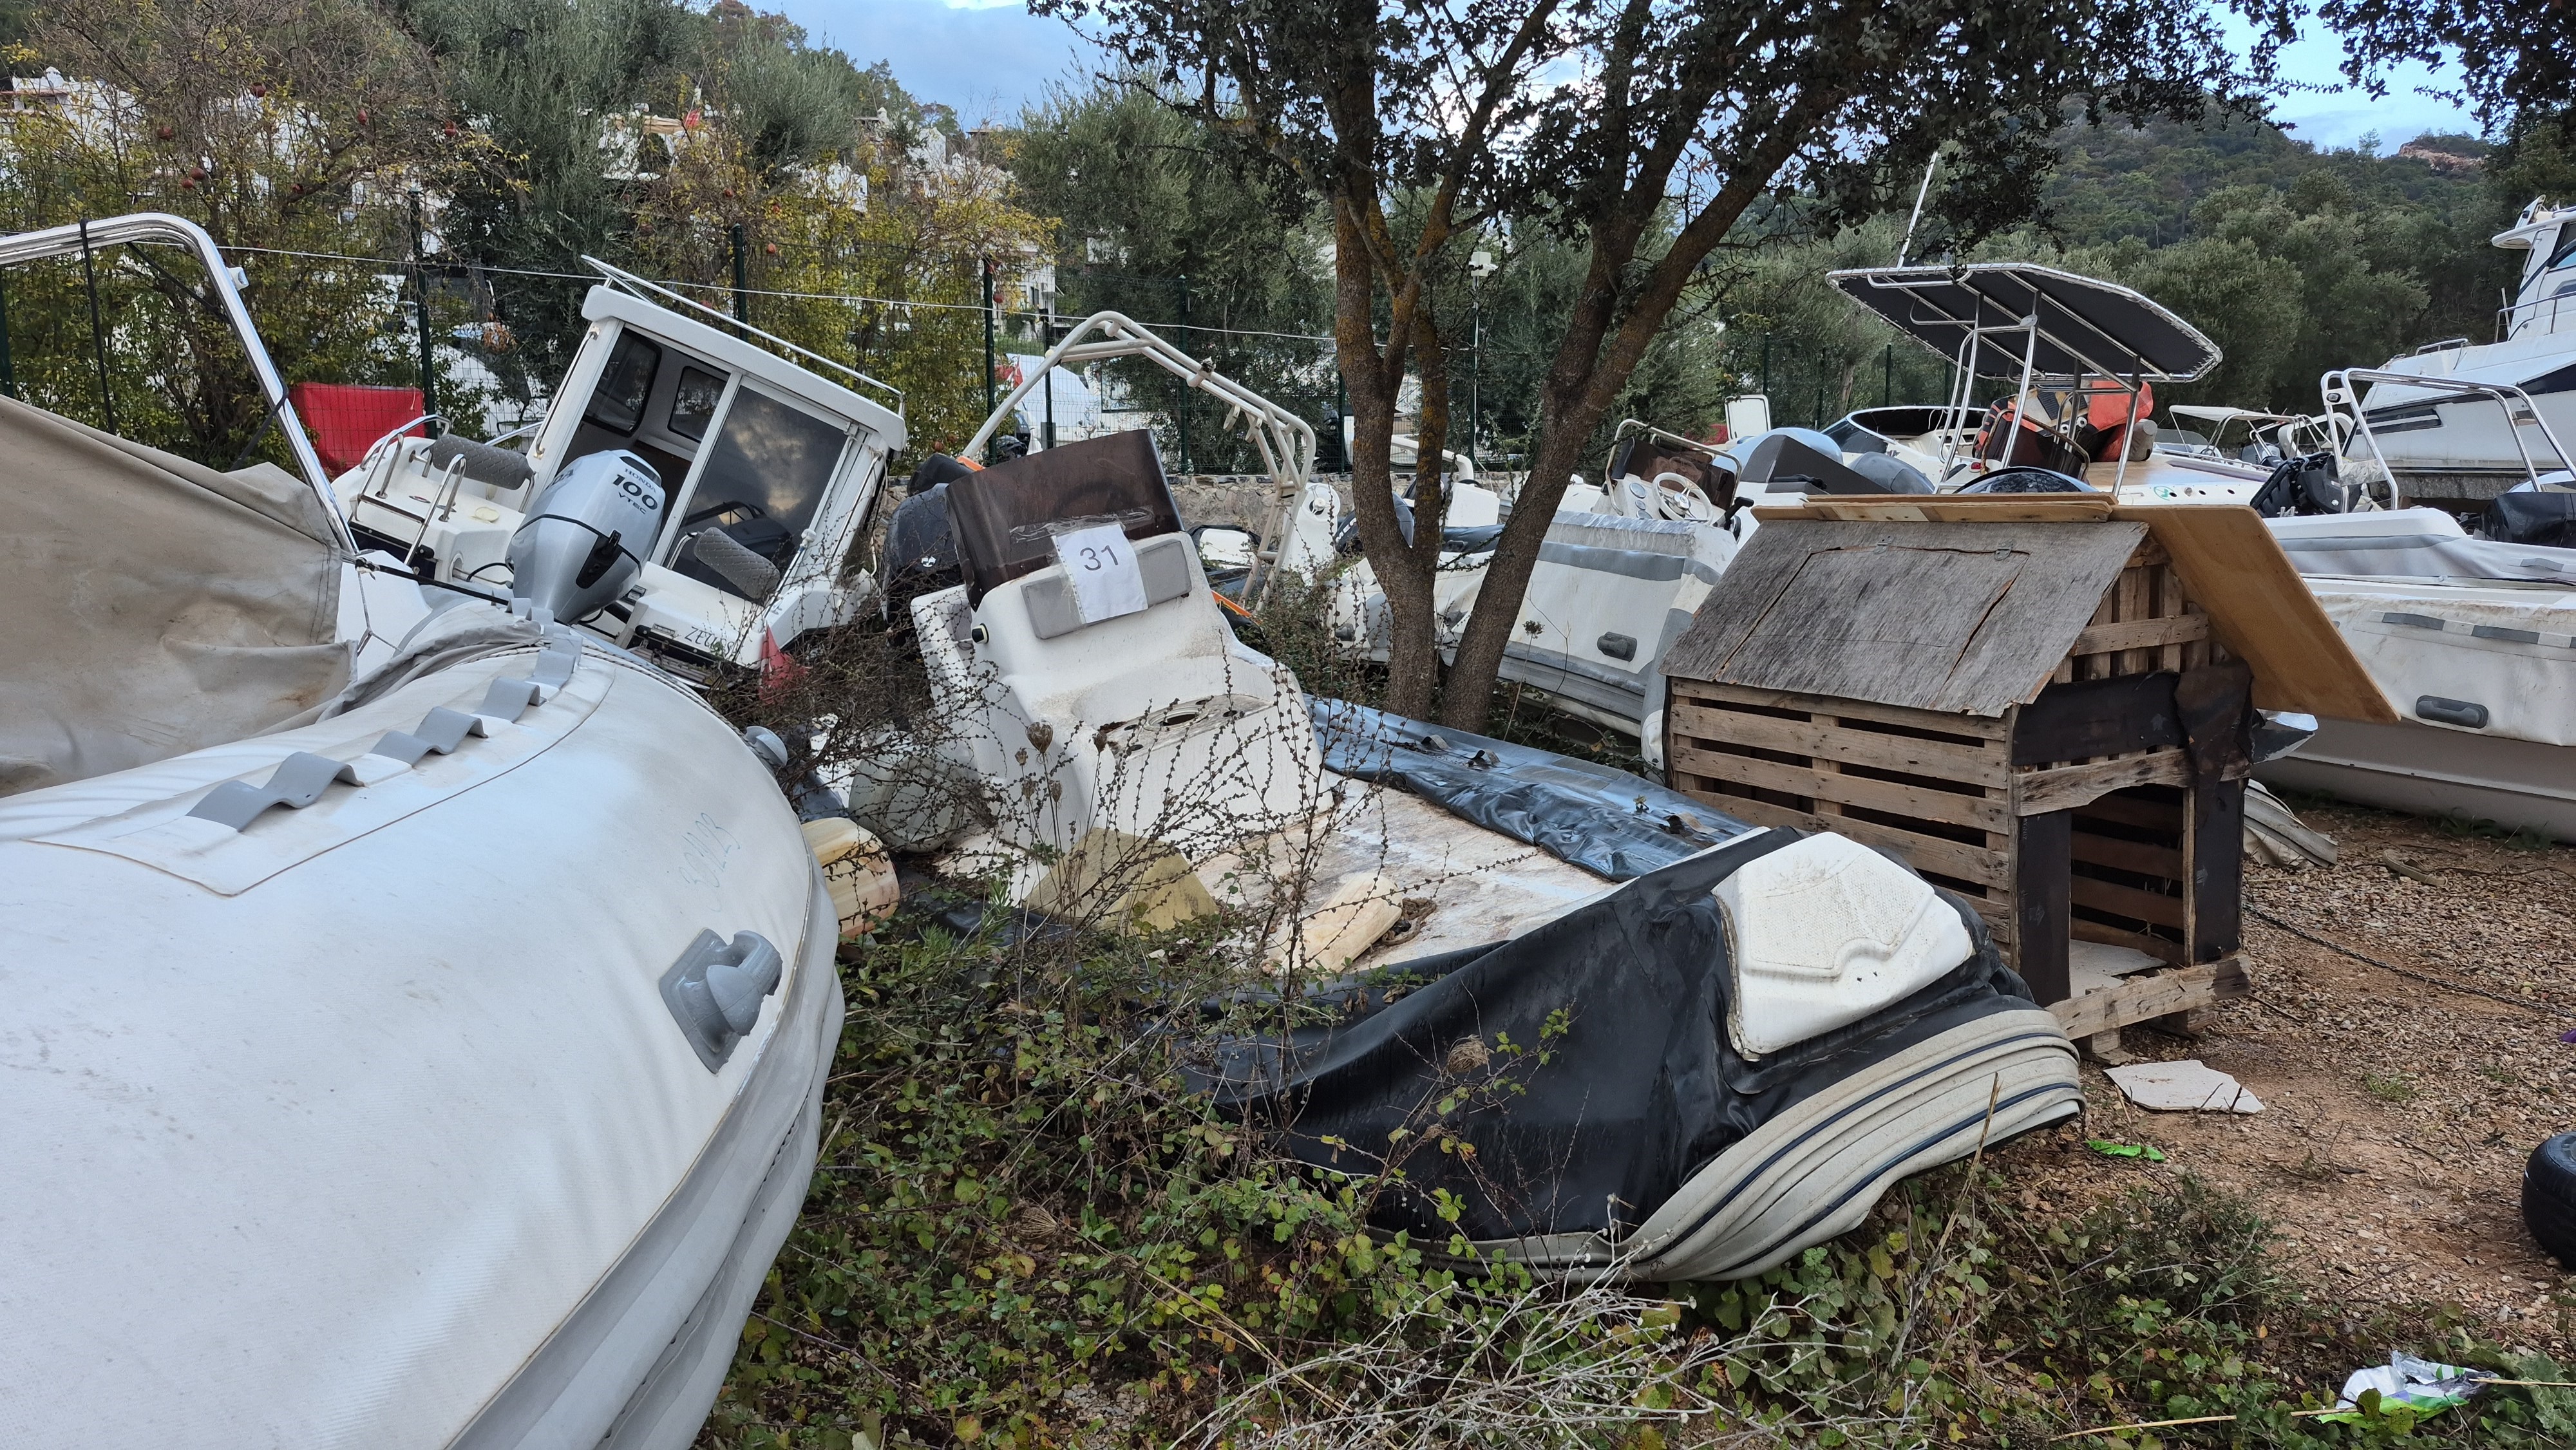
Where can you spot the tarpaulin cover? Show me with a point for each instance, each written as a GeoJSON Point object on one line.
{"type": "Point", "coordinates": [1587, 1061]}
{"type": "Point", "coordinates": [154, 605]}
{"type": "Point", "coordinates": [1606, 821]}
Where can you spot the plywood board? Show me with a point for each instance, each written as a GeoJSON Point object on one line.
{"type": "Point", "coordinates": [1965, 618]}
{"type": "Point", "coordinates": [2261, 609]}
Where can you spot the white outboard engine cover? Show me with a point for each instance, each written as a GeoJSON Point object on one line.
{"type": "Point", "coordinates": [586, 539]}
{"type": "Point", "coordinates": [1826, 932]}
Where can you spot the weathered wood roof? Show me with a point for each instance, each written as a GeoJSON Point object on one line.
{"type": "Point", "coordinates": [1968, 618]}
{"type": "Point", "coordinates": [2257, 604]}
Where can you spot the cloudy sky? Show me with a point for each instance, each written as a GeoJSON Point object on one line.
{"type": "Point", "coordinates": [990, 59]}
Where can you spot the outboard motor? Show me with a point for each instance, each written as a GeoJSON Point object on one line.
{"type": "Point", "coordinates": [585, 541]}
{"type": "Point", "coordinates": [2307, 485]}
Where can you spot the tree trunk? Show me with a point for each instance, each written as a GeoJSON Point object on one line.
{"type": "Point", "coordinates": [1376, 381]}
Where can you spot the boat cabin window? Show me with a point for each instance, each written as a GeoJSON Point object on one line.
{"type": "Point", "coordinates": [2564, 251]}
{"type": "Point", "coordinates": [653, 401]}
{"type": "Point", "coordinates": [625, 385]}
{"type": "Point", "coordinates": [693, 402]}
{"type": "Point", "coordinates": [764, 477]}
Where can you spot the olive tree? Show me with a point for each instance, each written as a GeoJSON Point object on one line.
{"type": "Point", "coordinates": [1644, 131]}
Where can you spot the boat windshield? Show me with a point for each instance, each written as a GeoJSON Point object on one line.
{"type": "Point", "coordinates": [763, 478]}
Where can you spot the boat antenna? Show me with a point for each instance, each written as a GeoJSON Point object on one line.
{"type": "Point", "coordinates": [1920, 192]}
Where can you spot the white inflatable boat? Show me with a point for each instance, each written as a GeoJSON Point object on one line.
{"type": "Point", "coordinates": [429, 1059]}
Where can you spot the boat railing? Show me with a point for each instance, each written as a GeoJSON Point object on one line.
{"type": "Point", "coordinates": [2343, 398]}
{"type": "Point", "coordinates": [84, 237]}
{"type": "Point", "coordinates": [1285, 441]}
{"type": "Point", "coordinates": [2513, 318]}
{"type": "Point", "coordinates": [656, 293]}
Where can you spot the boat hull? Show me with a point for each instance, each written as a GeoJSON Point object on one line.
{"type": "Point", "coordinates": [369, 1124]}
{"type": "Point", "coordinates": [2521, 785]}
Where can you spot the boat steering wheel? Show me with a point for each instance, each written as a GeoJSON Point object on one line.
{"type": "Point", "coordinates": [1680, 500]}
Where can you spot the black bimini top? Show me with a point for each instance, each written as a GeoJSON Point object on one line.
{"type": "Point", "coordinates": [2085, 325]}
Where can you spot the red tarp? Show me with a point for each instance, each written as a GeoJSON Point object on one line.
{"type": "Point", "coordinates": [346, 419]}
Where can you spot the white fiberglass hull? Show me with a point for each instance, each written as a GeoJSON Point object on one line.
{"type": "Point", "coordinates": [369, 1124]}
{"type": "Point", "coordinates": [2423, 432]}
{"type": "Point", "coordinates": [2425, 770]}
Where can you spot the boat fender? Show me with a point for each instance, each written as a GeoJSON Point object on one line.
{"type": "Point", "coordinates": [764, 742]}
{"type": "Point", "coordinates": [715, 990]}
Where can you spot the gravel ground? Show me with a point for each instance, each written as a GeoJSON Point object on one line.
{"type": "Point", "coordinates": [2397, 1114]}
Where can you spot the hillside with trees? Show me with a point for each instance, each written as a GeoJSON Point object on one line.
{"type": "Point", "coordinates": [669, 137]}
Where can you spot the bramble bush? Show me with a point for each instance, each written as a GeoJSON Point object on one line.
{"type": "Point", "coordinates": [1026, 1230]}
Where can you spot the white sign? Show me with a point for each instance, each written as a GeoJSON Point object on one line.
{"type": "Point", "coordinates": [1101, 564]}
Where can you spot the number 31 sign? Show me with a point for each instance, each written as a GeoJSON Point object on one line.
{"type": "Point", "coordinates": [1101, 564]}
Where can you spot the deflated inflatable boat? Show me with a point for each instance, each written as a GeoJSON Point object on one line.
{"type": "Point", "coordinates": [1695, 1075]}
{"type": "Point", "coordinates": [431, 1059]}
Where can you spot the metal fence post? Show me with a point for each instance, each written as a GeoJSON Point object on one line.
{"type": "Point", "coordinates": [741, 276]}
{"type": "Point", "coordinates": [420, 293]}
{"type": "Point", "coordinates": [97, 331]}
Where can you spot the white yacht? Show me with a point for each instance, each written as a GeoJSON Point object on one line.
{"type": "Point", "coordinates": [2453, 447]}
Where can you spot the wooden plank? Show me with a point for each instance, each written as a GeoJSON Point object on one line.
{"type": "Point", "coordinates": [2171, 604]}
{"type": "Point", "coordinates": [1924, 853]}
{"type": "Point", "coordinates": [1948, 508]}
{"type": "Point", "coordinates": [2169, 952]}
{"type": "Point", "coordinates": [2064, 786]}
{"type": "Point", "coordinates": [1983, 727]}
{"type": "Point", "coordinates": [2153, 994]}
{"type": "Point", "coordinates": [1964, 617]}
{"type": "Point", "coordinates": [2128, 901]}
{"type": "Point", "coordinates": [2040, 905]}
{"type": "Point", "coordinates": [2135, 606]}
{"type": "Point", "coordinates": [2146, 815]}
{"type": "Point", "coordinates": [2139, 856]}
{"type": "Point", "coordinates": [2098, 717]}
{"type": "Point", "coordinates": [1974, 765]}
{"type": "Point", "coordinates": [2213, 846]}
{"type": "Point", "coordinates": [1978, 811]}
{"type": "Point", "coordinates": [2262, 612]}
{"type": "Point", "coordinates": [2139, 633]}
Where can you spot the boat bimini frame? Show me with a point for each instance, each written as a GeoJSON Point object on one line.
{"type": "Point", "coordinates": [1286, 442]}
{"type": "Point", "coordinates": [2345, 414]}
{"type": "Point", "coordinates": [146, 228]}
{"type": "Point", "coordinates": [2066, 325]}
{"type": "Point", "coordinates": [2293, 433]}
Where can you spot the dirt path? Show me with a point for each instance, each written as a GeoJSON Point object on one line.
{"type": "Point", "coordinates": [2397, 1114]}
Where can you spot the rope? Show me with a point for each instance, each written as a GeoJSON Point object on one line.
{"type": "Point", "coordinates": [2337, 947]}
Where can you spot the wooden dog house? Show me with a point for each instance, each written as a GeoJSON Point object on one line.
{"type": "Point", "coordinates": [2043, 704]}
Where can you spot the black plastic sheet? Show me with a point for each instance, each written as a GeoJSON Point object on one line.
{"type": "Point", "coordinates": [1586, 1062]}
{"type": "Point", "coordinates": [1606, 821]}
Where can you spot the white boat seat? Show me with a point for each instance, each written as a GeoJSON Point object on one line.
{"type": "Point", "coordinates": [1162, 562]}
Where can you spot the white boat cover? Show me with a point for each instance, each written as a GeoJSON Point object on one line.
{"type": "Point", "coordinates": [2416, 543]}
{"type": "Point", "coordinates": [154, 604]}
{"type": "Point", "coordinates": [369, 1125]}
